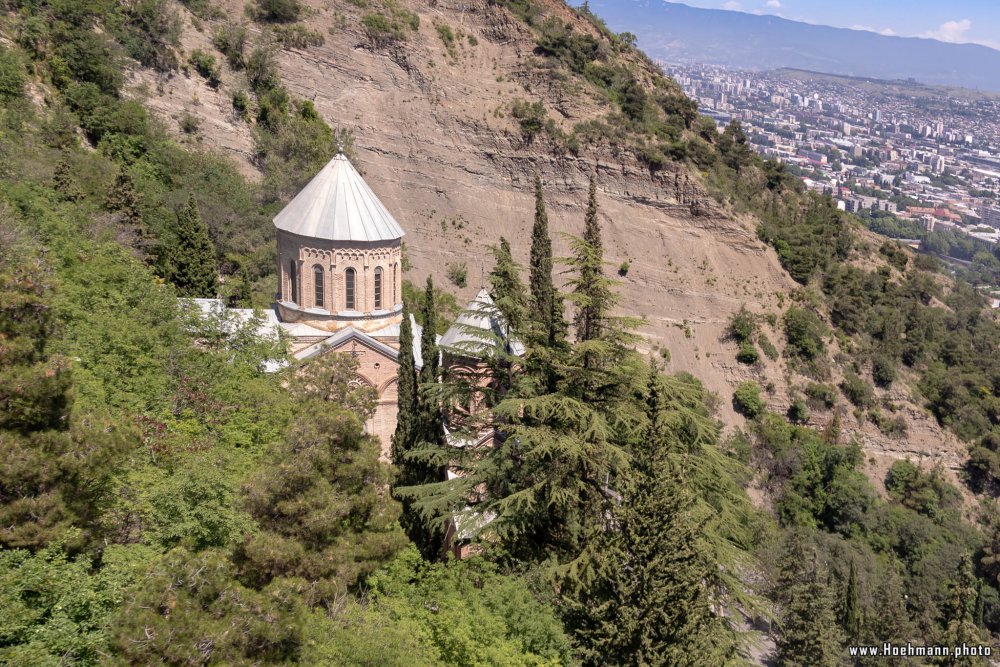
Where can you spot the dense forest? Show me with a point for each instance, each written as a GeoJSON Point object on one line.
{"type": "Point", "coordinates": [164, 500]}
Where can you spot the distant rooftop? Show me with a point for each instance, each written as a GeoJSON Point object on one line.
{"type": "Point", "coordinates": [338, 205]}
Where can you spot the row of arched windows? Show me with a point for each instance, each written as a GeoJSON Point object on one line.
{"type": "Point", "coordinates": [350, 286]}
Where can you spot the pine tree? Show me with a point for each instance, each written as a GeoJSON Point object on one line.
{"type": "Point", "coordinates": [63, 181]}
{"type": "Point", "coordinates": [649, 602]}
{"type": "Point", "coordinates": [810, 635]}
{"type": "Point", "coordinates": [122, 198]}
{"type": "Point", "coordinates": [194, 268]}
{"type": "Point", "coordinates": [320, 504]}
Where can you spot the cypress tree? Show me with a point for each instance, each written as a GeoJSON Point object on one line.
{"type": "Point", "coordinates": [850, 611]}
{"type": "Point", "coordinates": [506, 288]}
{"type": "Point", "coordinates": [540, 278]}
{"type": "Point", "coordinates": [591, 292]}
{"type": "Point", "coordinates": [428, 338]}
{"type": "Point", "coordinates": [406, 392]}
{"type": "Point", "coordinates": [194, 268]}
{"type": "Point", "coordinates": [648, 602]}
{"type": "Point", "coordinates": [424, 456]}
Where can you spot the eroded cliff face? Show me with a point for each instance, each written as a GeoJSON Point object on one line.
{"type": "Point", "coordinates": [434, 138]}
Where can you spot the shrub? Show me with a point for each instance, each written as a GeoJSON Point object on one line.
{"type": "Point", "coordinates": [770, 351]}
{"type": "Point", "coordinates": [925, 492]}
{"type": "Point", "coordinates": [262, 71]}
{"type": "Point", "coordinates": [747, 354]}
{"type": "Point", "coordinates": [857, 390]}
{"type": "Point", "coordinates": [623, 268]}
{"type": "Point", "coordinates": [883, 370]}
{"type": "Point", "coordinates": [458, 274]}
{"type": "Point", "coordinates": [531, 116]}
{"type": "Point", "coordinates": [382, 30]}
{"type": "Point", "coordinates": [747, 400]}
{"type": "Point", "coordinates": [189, 123]}
{"type": "Point", "coordinates": [231, 40]}
{"type": "Point", "coordinates": [241, 103]}
{"type": "Point", "coordinates": [821, 395]}
{"type": "Point", "coordinates": [447, 36]}
{"type": "Point", "coordinates": [742, 325]}
{"type": "Point", "coordinates": [278, 11]}
{"type": "Point", "coordinates": [298, 36]}
{"type": "Point", "coordinates": [798, 412]}
{"type": "Point", "coordinates": [12, 75]}
{"type": "Point", "coordinates": [805, 332]}
{"type": "Point", "coordinates": [204, 64]}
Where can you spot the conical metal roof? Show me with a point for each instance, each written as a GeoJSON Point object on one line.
{"type": "Point", "coordinates": [338, 205]}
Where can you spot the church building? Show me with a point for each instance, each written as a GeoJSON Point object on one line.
{"type": "Point", "coordinates": [341, 286]}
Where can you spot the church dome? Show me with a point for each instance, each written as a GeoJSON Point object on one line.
{"type": "Point", "coordinates": [338, 205]}
{"type": "Point", "coordinates": [339, 254]}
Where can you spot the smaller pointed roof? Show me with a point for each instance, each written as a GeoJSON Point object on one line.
{"type": "Point", "coordinates": [472, 329]}
{"type": "Point", "coordinates": [338, 205]}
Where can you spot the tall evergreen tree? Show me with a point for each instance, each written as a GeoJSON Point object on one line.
{"type": "Point", "coordinates": [850, 608]}
{"type": "Point", "coordinates": [319, 502]}
{"type": "Point", "coordinates": [591, 293]}
{"type": "Point", "coordinates": [428, 340]}
{"type": "Point", "coordinates": [424, 456]}
{"type": "Point", "coordinates": [406, 391]}
{"type": "Point", "coordinates": [507, 289]}
{"type": "Point", "coordinates": [888, 620]}
{"type": "Point", "coordinates": [648, 601]}
{"type": "Point", "coordinates": [959, 616]}
{"type": "Point", "coordinates": [53, 471]}
{"type": "Point", "coordinates": [63, 181]}
{"type": "Point", "coordinates": [810, 635]}
{"type": "Point", "coordinates": [193, 266]}
{"type": "Point", "coordinates": [542, 288]}
{"type": "Point", "coordinates": [122, 198]}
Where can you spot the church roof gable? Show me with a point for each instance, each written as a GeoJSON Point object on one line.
{"type": "Point", "coordinates": [338, 205]}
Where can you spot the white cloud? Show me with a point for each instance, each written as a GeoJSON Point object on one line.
{"type": "Point", "coordinates": [733, 6]}
{"type": "Point", "coordinates": [888, 32]}
{"type": "Point", "coordinates": [774, 4]}
{"type": "Point", "coordinates": [950, 31]}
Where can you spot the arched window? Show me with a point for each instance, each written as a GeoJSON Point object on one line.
{"type": "Point", "coordinates": [318, 282]}
{"type": "Point", "coordinates": [293, 279]}
{"type": "Point", "coordinates": [349, 289]}
{"type": "Point", "coordinates": [378, 288]}
{"type": "Point", "coordinates": [395, 298]}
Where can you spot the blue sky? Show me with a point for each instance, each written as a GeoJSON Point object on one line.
{"type": "Point", "coordinates": [975, 21]}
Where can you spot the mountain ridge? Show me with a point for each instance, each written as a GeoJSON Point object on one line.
{"type": "Point", "coordinates": [681, 33]}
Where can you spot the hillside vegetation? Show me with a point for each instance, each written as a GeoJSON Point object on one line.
{"type": "Point", "coordinates": [165, 500]}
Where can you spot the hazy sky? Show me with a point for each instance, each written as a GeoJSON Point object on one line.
{"type": "Point", "coordinates": [948, 20]}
